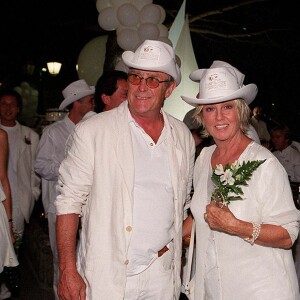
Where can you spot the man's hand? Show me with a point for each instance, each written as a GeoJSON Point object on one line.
{"type": "Point", "coordinates": [71, 286]}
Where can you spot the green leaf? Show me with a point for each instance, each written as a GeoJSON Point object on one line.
{"type": "Point", "coordinates": [234, 198]}
{"type": "Point", "coordinates": [243, 173]}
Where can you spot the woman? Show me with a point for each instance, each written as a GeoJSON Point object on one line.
{"type": "Point", "coordinates": [7, 254]}
{"type": "Point", "coordinates": [243, 246]}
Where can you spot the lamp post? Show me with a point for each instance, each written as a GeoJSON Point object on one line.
{"type": "Point", "coordinates": [54, 67]}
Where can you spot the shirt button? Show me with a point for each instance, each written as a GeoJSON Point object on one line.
{"type": "Point", "coordinates": [126, 262]}
{"type": "Point", "coordinates": [128, 228]}
{"type": "Point", "coordinates": [151, 144]}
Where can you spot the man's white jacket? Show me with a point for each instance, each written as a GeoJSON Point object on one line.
{"type": "Point", "coordinates": [96, 181]}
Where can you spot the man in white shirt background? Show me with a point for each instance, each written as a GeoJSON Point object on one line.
{"type": "Point", "coordinates": [260, 126]}
{"type": "Point", "coordinates": [79, 100]}
{"type": "Point", "coordinates": [288, 155]}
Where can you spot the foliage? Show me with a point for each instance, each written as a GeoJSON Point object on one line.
{"type": "Point", "coordinates": [228, 181]}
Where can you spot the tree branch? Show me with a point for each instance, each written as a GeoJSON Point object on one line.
{"type": "Point", "coordinates": [222, 10]}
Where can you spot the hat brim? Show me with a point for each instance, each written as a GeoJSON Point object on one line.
{"type": "Point", "coordinates": [247, 93]}
{"type": "Point", "coordinates": [170, 68]}
{"type": "Point", "coordinates": [67, 101]}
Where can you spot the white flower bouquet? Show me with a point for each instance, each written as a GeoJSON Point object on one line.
{"type": "Point", "coordinates": [228, 181]}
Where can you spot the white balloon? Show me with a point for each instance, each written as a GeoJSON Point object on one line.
{"type": "Point", "coordinates": [30, 102]}
{"type": "Point", "coordinates": [35, 93]}
{"type": "Point", "coordinates": [162, 14]}
{"type": "Point", "coordinates": [101, 4]}
{"type": "Point", "coordinates": [91, 60]}
{"type": "Point", "coordinates": [148, 31]}
{"type": "Point", "coordinates": [117, 3]}
{"type": "Point", "coordinates": [128, 39]}
{"type": "Point", "coordinates": [18, 89]}
{"type": "Point", "coordinates": [140, 3]}
{"type": "Point", "coordinates": [121, 28]}
{"type": "Point", "coordinates": [128, 15]}
{"type": "Point", "coordinates": [163, 30]}
{"type": "Point", "coordinates": [150, 13]}
{"type": "Point", "coordinates": [107, 19]}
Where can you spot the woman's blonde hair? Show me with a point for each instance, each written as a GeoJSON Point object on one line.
{"type": "Point", "coordinates": [243, 110]}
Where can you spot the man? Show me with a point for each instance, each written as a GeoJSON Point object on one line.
{"type": "Point", "coordinates": [110, 90]}
{"type": "Point", "coordinates": [260, 126]}
{"type": "Point", "coordinates": [288, 155]}
{"type": "Point", "coordinates": [23, 141]}
{"type": "Point", "coordinates": [79, 100]}
{"type": "Point", "coordinates": [127, 176]}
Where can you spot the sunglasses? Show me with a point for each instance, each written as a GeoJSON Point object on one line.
{"type": "Point", "coordinates": [150, 81]}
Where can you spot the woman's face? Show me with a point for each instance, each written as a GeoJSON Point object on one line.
{"type": "Point", "coordinates": [221, 120]}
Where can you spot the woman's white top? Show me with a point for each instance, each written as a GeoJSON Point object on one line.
{"type": "Point", "coordinates": [240, 270]}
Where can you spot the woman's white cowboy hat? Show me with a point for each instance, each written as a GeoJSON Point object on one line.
{"type": "Point", "coordinates": [75, 91]}
{"type": "Point", "coordinates": [221, 82]}
{"type": "Point", "coordinates": [154, 56]}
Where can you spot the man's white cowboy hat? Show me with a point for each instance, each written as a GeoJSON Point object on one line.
{"type": "Point", "coordinates": [221, 82]}
{"type": "Point", "coordinates": [75, 91]}
{"type": "Point", "coordinates": [154, 56]}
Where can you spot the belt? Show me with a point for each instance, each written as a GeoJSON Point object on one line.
{"type": "Point", "coordinates": [162, 251]}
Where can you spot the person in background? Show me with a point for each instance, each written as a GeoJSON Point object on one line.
{"type": "Point", "coordinates": [189, 119]}
{"type": "Point", "coordinates": [24, 182]}
{"type": "Point", "coordinates": [110, 90]}
{"type": "Point", "coordinates": [128, 177]}
{"type": "Point", "coordinates": [286, 154]}
{"type": "Point", "coordinates": [260, 126]}
{"type": "Point", "coordinates": [243, 244]}
{"type": "Point", "coordinates": [8, 256]}
{"type": "Point", "coordinates": [296, 145]}
{"type": "Point", "coordinates": [289, 156]}
{"type": "Point", "coordinates": [79, 100]}
{"type": "Point", "coordinates": [200, 139]}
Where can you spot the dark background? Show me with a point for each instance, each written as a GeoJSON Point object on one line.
{"type": "Point", "coordinates": [259, 37]}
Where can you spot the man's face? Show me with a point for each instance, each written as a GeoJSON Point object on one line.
{"type": "Point", "coordinates": [145, 100]}
{"type": "Point", "coordinates": [257, 112]}
{"type": "Point", "coordinates": [87, 104]}
{"type": "Point", "coordinates": [8, 109]}
{"type": "Point", "coordinates": [117, 97]}
{"type": "Point", "coordinates": [279, 140]}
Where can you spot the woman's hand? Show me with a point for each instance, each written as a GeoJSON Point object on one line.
{"type": "Point", "coordinates": [219, 217]}
{"type": "Point", "coordinates": [186, 230]}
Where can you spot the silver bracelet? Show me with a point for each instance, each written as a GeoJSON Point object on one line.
{"type": "Point", "coordinates": [255, 233]}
